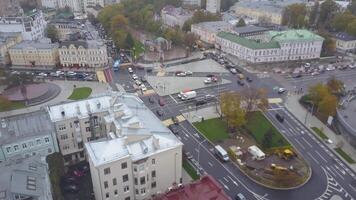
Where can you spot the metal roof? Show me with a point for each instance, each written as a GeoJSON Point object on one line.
{"type": "Point", "coordinates": [252, 44]}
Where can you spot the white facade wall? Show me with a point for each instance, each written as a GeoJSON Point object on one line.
{"type": "Point", "coordinates": [213, 6]}
{"type": "Point", "coordinates": [92, 3]}
{"type": "Point", "coordinates": [204, 35]}
{"type": "Point", "coordinates": [192, 2]}
{"type": "Point", "coordinates": [49, 3]}
{"type": "Point", "coordinates": [345, 46]}
{"type": "Point", "coordinates": [75, 5]}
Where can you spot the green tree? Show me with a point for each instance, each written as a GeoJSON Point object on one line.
{"type": "Point", "coordinates": [329, 44]}
{"type": "Point", "coordinates": [92, 19]}
{"type": "Point", "coordinates": [129, 41]}
{"type": "Point", "coordinates": [230, 106]}
{"type": "Point", "coordinates": [294, 15]}
{"type": "Point", "coordinates": [342, 20]}
{"type": "Point", "coordinates": [328, 10]}
{"type": "Point", "coordinates": [119, 37]}
{"type": "Point", "coordinates": [351, 28]}
{"type": "Point", "coordinates": [200, 16]}
{"type": "Point", "coordinates": [189, 40]}
{"type": "Point", "coordinates": [241, 23]}
{"type": "Point", "coordinates": [56, 171]}
{"type": "Point", "coordinates": [5, 103]}
{"type": "Point", "coordinates": [118, 22]}
{"type": "Point", "coordinates": [52, 33]}
{"type": "Point", "coordinates": [313, 14]}
{"type": "Point", "coordinates": [254, 98]}
{"type": "Point", "coordinates": [327, 106]}
{"type": "Point", "coordinates": [317, 92]}
{"type": "Point", "coordinates": [335, 86]}
{"type": "Point", "coordinates": [267, 139]}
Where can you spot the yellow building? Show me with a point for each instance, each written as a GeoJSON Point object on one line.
{"type": "Point", "coordinates": [8, 40]}
{"type": "Point", "coordinates": [31, 53]}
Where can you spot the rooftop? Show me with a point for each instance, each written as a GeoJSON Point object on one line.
{"type": "Point", "coordinates": [35, 44]}
{"type": "Point", "coordinates": [215, 26]}
{"type": "Point", "coordinates": [136, 132]}
{"type": "Point", "coordinates": [252, 44]}
{"type": "Point", "coordinates": [205, 188]}
{"type": "Point", "coordinates": [344, 36]}
{"type": "Point", "coordinates": [26, 177]}
{"type": "Point", "coordinates": [6, 36]}
{"type": "Point", "coordinates": [294, 34]}
{"type": "Point", "coordinates": [275, 6]}
{"type": "Point", "coordinates": [23, 126]}
{"type": "Point", "coordinates": [249, 29]}
{"type": "Point", "coordinates": [177, 12]}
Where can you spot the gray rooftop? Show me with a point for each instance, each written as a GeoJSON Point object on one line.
{"type": "Point", "coordinates": [26, 177]}
{"type": "Point", "coordinates": [20, 127]}
{"type": "Point", "coordinates": [249, 29]}
{"type": "Point", "coordinates": [215, 26]}
{"type": "Point", "coordinates": [275, 6]}
{"type": "Point", "coordinates": [344, 36]}
{"type": "Point", "coordinates": [35, 44]}
{"type": "Point", "coordinates": [91, 44]}
{"type": "Point", "coordinates": [5, 36]}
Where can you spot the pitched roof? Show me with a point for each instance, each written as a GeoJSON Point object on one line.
{"type": "Point", "coordinates": [252, 44]}
{"type": "Point", "coordinates": [344, 36]}
{"type": "Point", "coordinates": [249, 29]}
{"type": "Point", "coordinates": [294, 34]}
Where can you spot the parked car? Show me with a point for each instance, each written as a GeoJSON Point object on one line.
{"type": "Point", "coordinates": [200, 102]}
{"type": "Point", "coordinates": [138, 83]}
{"type": "Point", "coordinates": [233, 70]}
{"type": "Point", "coordinates": [189, 73]}
{"type": "Point", "coordinates": [240, 196]}
{"type": "Point", "coordinates": [280, 118]}
{"type": "Point", "coordinates": [188, 155]}
{"type": "Point", "coordinates": [134, 76]}
{"type": "Point", "coordinates": [208, 81]}
{"type": "Point", "coordinates": [181, 74]}
{"type": "Point", "coordinates": [70, 188]}
{"type": "Point", "coordinates": [130, 70]}
{"type": "Point", "coordinates": [42, 74]}
{"type": "Point", "coordinates": [54, 74]}
{"type": "Point", "coordinates": [248, 79]}
{"type": "Point", "coordinates": [84, 168]}
{"type": "Point", "coordinates": [159, 112]}
{"type": "Point", "coordinates": [297, 75]}
{"type": "Point", "coordinates": [173, 128]}
{"type": "Point", "coordinates": [161, 102]}
{"type": "Point", "coordinates": [71, 74]}
{"type": "Point", "coordinates": [328, 141]}
{"type": "Point", "coordinates": [281, 90]}
{"type": "Point", "coordinates": [240, 82]}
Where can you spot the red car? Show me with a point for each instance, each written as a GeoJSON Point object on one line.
{"type": "Point", "coordinates": [78, 173]}
{"type": "Point", "coordinates": [161, 102]}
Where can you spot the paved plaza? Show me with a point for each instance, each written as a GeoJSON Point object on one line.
{"type": "Point", "coordinates": [207, 65]}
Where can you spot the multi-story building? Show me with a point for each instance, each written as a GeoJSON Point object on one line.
{"type": "Point", "coordinates": [345, 42]}
{"type": "Point", "coordinates": [92, 3]}
{"type": "Point", "coordinates": [89, 53]}
{"type": "Point", "coordinates": [66, 28]}
{"type": "Point", "coordinates": [10, 8]}
{"type": "Point", "coordinates": [140, 156]}
{"type": "Point", "coordinates": [34, 53]}
{"type": "Point", "coordinates": [213, 6]}
{"type": "Point", "coordinates": [110, 2]}
{"type": "Point", "coordinates": [25, 179]}
{"type": "Point", "coordinates": [77, 123]}
{"type": "Point", "coordinates": [8, 40]}
{"type": "Point", "coordinates": [194, 3]}
{"type": "Point", "coordinates": [49, 3]}
{"type": "Point", "coordinates": [27, 135]}
{"type": "Point", "coordinates": [207, 31]}
{"type": "Point", "coordinates": [75, 5]}
{"type": "Point", "coordinates": [251, 32]}
{"type": "Point", "coordinates": [278, 46]}
{"type": "Point", "coordinates": [172, 16]}
{"type": "Point", "coordinates": [32, 26]}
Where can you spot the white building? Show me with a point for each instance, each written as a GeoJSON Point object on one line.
{"type": "Point", "coordinates": [90, 53]}
{"type": "Point", "coordinates": [92, 3]}
{"type": "Point", "coordinates": [139, 158]}
{"type": "Point", "coordinates": [49, 3]}
{"type": "Point", "coordinates": [32, 26]}
{"type": "Point", "coordinates": [207, 31]}
{"type": "Point", "coordinates": [172, 16]}
{"type": "Point", "coordinates": [213, 6]}
{"type": "Point", "coordinates": [194, 3]}
{"type": "Point", "coordinates": [75, 5]}
{"type": "Point", "coordinates": [345, 42]}
{"type": "Point", "coordinates": [278, 46]}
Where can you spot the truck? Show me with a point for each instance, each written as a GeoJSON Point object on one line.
{"type": "Point", "coordinates": [189, 95]}
{"type": "Point", "coordinates": [221, 153]}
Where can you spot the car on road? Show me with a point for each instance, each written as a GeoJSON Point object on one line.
{"type": "Point", "coordinates": [189, 73]}
{"type": "Point", "coordinates": [233, 70]}
{"type": "Point", "coordinates": [43, 74]}
{"type": "Point", "coordinates": [71, 188]}
{"type": "Point", "coordinates": [330, 68]}
{"type": "Point", "coordinates": [200, 102]}
{"type": "Point", "coordinates": [240, 82]}
{"type": "Point", "coordinates": [240, 196]}
{"type": "Point", "coordinates": [208, 81]}
{"type": "Point", "coordinates": [134, 76]}
{"type": "Point", "coordinates": [351, 66]}
{"type": "Point", "coordinates": [54, 74]}
{"type": "Point", "coordinates": [130, 70]}
{"type": "Point", "coordinates": [281, 90]}
{"type": "Point", "coordinates": [181, 74]}
{"type": "Point", "coordinates": [151, 99]}
{"type": "Point", "coordinates": [328, 141]}
{"type": "Point", "coordinates": [160, 112]}
{"type": "Point", "coordinates": [297, 75]}
{"type": "Point", "coordinates": [280, 118]}
{"type": "Point", "coordinates": [188, 155]}
{"type": "Point", "coordinates": [143, 88]}
{"type": "Point", "coordinates": [161, 102]}
{"type": "Point", "coordinates": [89, 78]}
{"type": "Point", "coordinates": [315, 73]}
{"type": "Point", "coordinates": [173, 128]}
{"type": "Point", "coordinates": [209, 97]}
{"type": "Point", "coordinates": [138, 83]}
{"type": "Point", "coordinates": [248, 79]}
{"type": "Point", "coordinates": [71, 74]}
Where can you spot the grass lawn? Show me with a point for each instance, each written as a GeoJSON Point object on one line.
{"type": "Point", "coordinates": [258, 125]}
{"type": "Point", "coordinates": [13, 106]}
{"type": "Point", "coordinates": [213, 129]}
{"type": "Point", "coordinates": [80, 93]}
{"type": "Point", "coordinates": [190, 170]}
{"type": "Point", "coordinates": [138, 49]}
{"type": "Point", "coordinates": [344, 155]}
{"type": "Point", "coordinates": [320, 133]}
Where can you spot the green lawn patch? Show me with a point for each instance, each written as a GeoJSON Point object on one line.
{"type": "Point", "coordinates": [190, 170]}
{"type": "Point", "coordinates": [259, 126]}
{"type": "Point", "coordinates": [138, 49]}
{"type": "Point", "coordinates": [320, 133]}
{"type": "Point", "coordinates": [345, 155]}
{"type": "Point", "coordinates": [80, 93]}
{"type": "Point", "coordinates": [213, 129]}
{"type": "Point", "coordinates": [12, 106]}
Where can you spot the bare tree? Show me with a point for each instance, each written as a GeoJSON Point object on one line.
{"type": "Point", "coordinates": [254, 98]}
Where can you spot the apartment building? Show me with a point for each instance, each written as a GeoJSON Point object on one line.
{"type": "Point", "coordinates": [34, 53]}
{"type": "Point", "coordinates": [172, 16]}
{"type": "Point", "coordinates": [26, 135]}
{"type": "Point", "coordinates": [193, 3]}
{"type": "Point", "coordinates": [25, 179]}
{"type": "Point", "coordinates": [213, 6]}
{"type": "Point", "coordinates": [207, 31]}
{"type": "Point", "coordinates": [7, 40]}
{"type": "Point", "coordinates": [66, 28]}
{"type": "Point", "coordinates": [140, 156]}
{"type": "Point", "coordinates": [32, 26]}
{"type": "Point", "coordinates": [89, 53]}
{"type": "Point", "coordinates": [277, 46]}
{"type": "Point", "coordinates": [345, 42]}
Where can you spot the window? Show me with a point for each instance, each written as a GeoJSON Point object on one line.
{"type": "Point", "coordinates": [142, 180]}
{"type": "Point", "coordinates": [62, 127]}
{"type": "Point", "coordinates": [153, 184]}
{"type": "Point", "coordinates": [87, 129]}
{"type": "Point", "coordinates": [127, 198]}
{"type": "Point", "coordinates": [153, 161]}
{"type": "Point", "coordinates": [143, 191]}
{"type": "Point", "coordinates": [31, 143]}
{"type": "Point", "coordinates": [125, 178]}
{"type": "Point", "coordinates": [136, 191]}
{"type": "Point", "coordinates": [107, 195]}
{"type": "Point", "coordinates": [46, 140]}
{"type": "Point", "coordinates": [38, 141]}
{"type": "Point", "coordinates": [126, 188]}
{"type": "Point", "coordinates": [8, 149]}
{"type": "Point", "coordinates": [24, 145]}
{"type": "Point", "coordinates": [106, 185]}
{"type": "Point", "coordinates": [136, 181]}
{"type": "Point", "coordinates": [114, 181]}
{"type": "Point", "coordinates": [153, 173]}
{"type": "Point", "coordinates": [16, 147]}
{"type": "Point", "coordinates": [135, 169]}
{"type": "Point", "coordinates": [115, 192]}
{"type": "Point", "coordinates": [65, 147]}
{"type": "Point", "coordinates": [107, 171]}
{"type": "Point", "coordinates": [141, 167]}
{"type": "Point", "coordinates": [124, 165]}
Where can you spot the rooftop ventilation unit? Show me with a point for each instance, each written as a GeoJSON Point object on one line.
{"type": "Point", "coordinates": [144, 147]}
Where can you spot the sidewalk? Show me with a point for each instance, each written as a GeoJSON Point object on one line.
{"type": "Point", "coordinates": [299, 111]}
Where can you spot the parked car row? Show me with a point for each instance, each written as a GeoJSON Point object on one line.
{"type": "Point", "coordinates": [58, 74]}
{"type": "Point", "coordinates": [319, 69]}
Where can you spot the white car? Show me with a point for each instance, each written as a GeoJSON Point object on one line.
{"type": "Point", "coordinates": [181, 74]}
{"type": "Point", "coordinates": [315, 73]}
{"type": "Point", "coordinates": [188, 73]}
{"type": "Point", "coordinates": [138, 83]}
{"type": "Point", "coordinates": [143, 88]}
{"type": "Point", "coordinates": [352, 66]}
{"type": "Point", "coordinates": [208, 81]}
{"type": "Point", "coordinates": [328, 141]}
{"type": "Point", "coordinates": [281, 90]}
{"type": "Point", "coordinates": [59, 73]}
{"type": "Point", "coordinates": [42, 74]}
{"type": "Point", "coordinates": [130, 70]}
{"type": "Point", "coordinates": [134, 76]}
{"type": "Point", "coordinates": [330, 68]}
{"type": "Point", "coordinates": [233, 70]}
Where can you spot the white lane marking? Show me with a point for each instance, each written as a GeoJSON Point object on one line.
{"type": "Point", "coordinates": [225, 179]}
{"type": "Point", "coordinates": [233, 180]}
{"type": "Point", "coordinates": [352, 187]}
{"type": "Point", "coordinates": [330, 171]}
{"type": "Point", "coordinates": [321, 157]}
{"type": "Point", "coordinates": [307, 142]}
{"type": "Point", "coordinates": [173, 98]}
{"type": "Point", "coordinates": [313, 158]}
{"type": "Point", "coordinates": [211, 165]}
{"type": "Point", "coordinates": [337, 172]}
{"type": "Point", "coordinates": [300, 144]}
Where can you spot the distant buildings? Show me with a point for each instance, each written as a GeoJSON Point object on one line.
{"type": "Point", "coordinates": [277, 46]}
{"type": "Point", "coordinates": [32, 26]}
{"type": "Point", "coordinates": [194, 3]}
{"type": "Point", "coordinates": [7, 40]}
{"type": "Point", "coordinates": [26, 135]}
{"type": "Point", "coordinates": [172, 16]}
{"type": "Point", "coordinates": [89, 53]}
{"type": "Point", "coordinates": [205, 188]}
{"type": "Point", "coordinates": [75, 5]}
{"type": "Point", "coordinates": [345, 42]}
{"type": "Point", "coordinates": [207, 31]}
{"type": "Point", "coordinates": [10, 8]}
{"type": "Point", "coordinates": [49, 3]}
{"type": "Point", "coordinates": [25, 179]}
{"type": "Point", "coordinates": [139, 156]}
{"type": "Point", "coordinates": [213, 6]}
{"type": "Point", "coordinates": [34, 53]}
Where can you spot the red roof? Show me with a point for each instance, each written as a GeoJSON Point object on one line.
{"type": "Point", "coordinates": [207, 188]}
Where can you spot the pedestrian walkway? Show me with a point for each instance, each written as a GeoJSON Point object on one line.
{"type": "Point", "coordinates": [292, 104]}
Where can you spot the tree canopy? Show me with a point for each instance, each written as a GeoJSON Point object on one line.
{"type": "Point", "coordinates": [328, 10]}
{"type": "Point", "coordinates": [52, 33]}
{"type": "Point", "coordinates": [295, 15]}
{"type": "Point", "coordinates": [241, 23]}
{"type": "Point", "coordinates": [200, 16]}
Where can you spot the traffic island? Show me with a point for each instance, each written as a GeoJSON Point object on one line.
{"type": "Point", "coordinates": [260, 151]}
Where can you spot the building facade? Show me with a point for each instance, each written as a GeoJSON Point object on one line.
{"type": "Point", "coordinates": [345, 43]}
{"type": "Point", "coordinates": [172, 16]}
{"type": "Point", "coordinates": [213, 6]}
{"type": "Point", "coordinates": [194, 3]}
{"type": "Point", "coordinates": [92, 4]}
{"type": "Point", "coordinates": [207, 31]}
{"type": "Point", "coordinates": [34, 53]}
{"type": "Point", "coordinates": [49, 3]}
{"type": "Point", "coordinates": [65, 28]}
{"type": "Point", "coordinates": [139, 157]}
{"type": "Point", "coordinates": [90, 53]}
{"type": "Point", "coordinates": [27, 135]}
{"type": "Point", "coordinates": [7, 40]}
{"type": "Point", "coordinates": [32, 26]}
{"type": "Point", "coordinates": [278, 46]}
{"type": "Point", "coordinates": [251, 32]}
{"type": "Point", "coordinates": [75, 5]}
